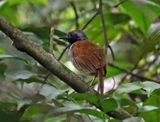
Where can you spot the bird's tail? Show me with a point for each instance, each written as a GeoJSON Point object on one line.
{"type": "Point", "coordinates": [101, 80]}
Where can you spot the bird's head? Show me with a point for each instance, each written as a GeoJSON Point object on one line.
{"type": "Point", "coordinates": [74, 36]}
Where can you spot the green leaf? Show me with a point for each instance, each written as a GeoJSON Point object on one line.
{"type": "Point", "coordinates": [142, 20]}
{"type": "Point", "coordinates": [9, 116]}
{"type": "Point", "coordinates": [151, 40]}
{"type": "Point", "coordinates": [68, 108]}
{"type": "Point", "coordinates": [114, 71]}
{"type": "Point", "coordinates": [108, 104]}
{"type": "Point", "coordinates": [128, 87]}
{"type": "Point", "coordinates": [91, 98]}
{"type": "Point", "coordinates": [18, 74]}
{"type": "Point", "coordinates": [150, 86]}
{"type": "Point", "coordinates": [129, 105]}
{"type": "Point", "coordinates": [115, 120]}
{"type": "Point", "coordinates": [149, 8]}
{"type": "Point", "coordinates": [134, 119]}
{"type": "Point", "coordinates": [144, 13]}
{"type": "Point", "coordinates": [50, 92]}
{"type": "Point", "coordinates": [4, 56]}
{"type": "Point", "coordinates": [43, 34]}
{"type": "Point", "coordinates": [119, 18]}
{"type": "Point", "coordinates": [31, 80]}
{"type": "Point", "coordinates": [153, 100]}
{"type": "Point", "coordinates": [32, 112]}
{"type": "Point", "coordinates": [21, 103]}
{"type": "Point", "coordinates": [124, 64]}
{"type": "Point", "coordinates": [153, 33]}
{"type": "Point", "coordinates": [41, 2]}
{"type": "Point", "coordinates": [9, 12]}
{"type": "Point", "coordinates": [71, 107]}
{"type": "Point", "coordinates": [35, 111]}
{"type": "Point", "coordinates": [7, 106]}
{"type": "Point", "coordinates": [1, 49]}
{"type": "Point", "coordinates": [126, 102]}
{"type": "Point", "coordinates": [55, 119]}
{"type": "Point", "coordinates": [147, 108]}
{"type": "Point", "coordinates": [2, 69]}
{"type": "Point", "coordinates": [93, 112]}
{"type": "Point", "coordinates": [7, 56]}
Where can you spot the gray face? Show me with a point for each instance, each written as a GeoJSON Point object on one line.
{"type": "Point", "coordinates": [76, 35]}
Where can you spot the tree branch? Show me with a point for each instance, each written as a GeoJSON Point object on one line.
{"type": "Point", "coordinates": [90, 20]}
{"type": "Point", "coordinates": [76, 14]}
{"type": "Point", "coordinates": [104, 26]}
{"type": "Point", "coordinates": [25, 44]}
{"type": "Point", "coordinates": [112, 53]}
{"type": "Point", "coordinates": [64, 50]}
{"type": "Point", "coordinates": [131, 73]}
{"type": "Point", "coordinates": [121, 2]}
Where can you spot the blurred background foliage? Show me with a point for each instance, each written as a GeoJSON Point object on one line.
{"type": "Point", "coordinates": [29, 94]}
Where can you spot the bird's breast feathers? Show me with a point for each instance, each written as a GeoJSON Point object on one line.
{"type": "Point", "coordinates": [87, 56]}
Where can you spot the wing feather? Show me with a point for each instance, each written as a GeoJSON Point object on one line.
{"type": "Point", "coordinates": [87, 56]}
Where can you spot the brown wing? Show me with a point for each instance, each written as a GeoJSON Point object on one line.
{"type": "Point", "coordinates": [87, 56]}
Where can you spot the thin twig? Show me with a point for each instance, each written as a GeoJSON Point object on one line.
{"type": "Point", "coordinates": [112, 53]}
{"type": "Point", "coordinates": [132, 70]}
{"type": "Point", "coordinates": [90, 20]}
{"type": "Point", "coordinates": [46, 77]}
{"type": "Point", "coordinates": [64, 50]}
{"type": "Point", "coordinates": [121, 2]}
{"type": "Point", "coordinates": [104, 26]}
{"type": "Point", "coordinates": [76, 14]}
{"type": "Point", "coordinates": [131, 73]}
{"type": "Point", "coordinates": [51, 41]}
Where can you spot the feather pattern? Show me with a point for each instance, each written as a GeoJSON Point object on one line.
{"type": "Point", "coordinates": [87, 57]}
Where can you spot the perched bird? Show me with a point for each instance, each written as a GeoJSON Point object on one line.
{"type": "Point", "coordinates": [86, 56]}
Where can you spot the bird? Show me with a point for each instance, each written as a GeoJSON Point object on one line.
{"type": "Point", "coordinates": [86, 56]}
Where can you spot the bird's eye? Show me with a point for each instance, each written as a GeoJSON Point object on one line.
{"type": "Point", "coordinates": [70, 35]}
